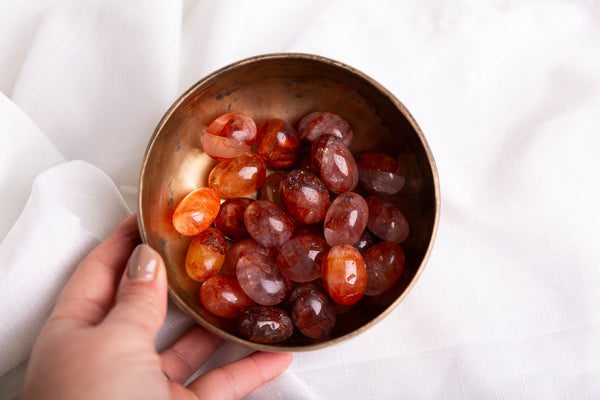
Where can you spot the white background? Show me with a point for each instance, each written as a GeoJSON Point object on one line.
{"type": "Point", "coordinates": [507, 93]}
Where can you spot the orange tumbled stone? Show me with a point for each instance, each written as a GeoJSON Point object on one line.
{"type": "Point", "coordinates": [344, 274]}
{"type": "Point", "coordinates": [196, 211]}
{"type": "Point", "coordinates": [238, 177]}
{"type": "Point", "coordinates": [205, 255]}
{"type": "Point", "coordinates": [235, 125]}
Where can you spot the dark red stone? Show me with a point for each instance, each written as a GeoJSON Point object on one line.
{"type": "Point", "coordinates": [384, 262]}
{"type": "Point", "coordinates": [260, 278]}
{"type": "Point", "coordinates": [365, 241]}
{"type": "Point", "coordinates": [346, 219]}
{"type": "Point", "coordinates": [335, 162]}
{"type": "Point", "coordinates": [300, 257]}
{"type": "Point", "coordinates": [278, 143]}
{"type": "Point", "coordinates": [313, 313]}
{"type": "Point", "coordinates": [304, 196]}
{"type": "Point", "coordinates": [264, 324]}
{"type": "Point", "coordinates": [268, 224]}
{"type": "Point", "coordinates": [386, 220]}
{"type": "Point", "coordinates": [230, 219]}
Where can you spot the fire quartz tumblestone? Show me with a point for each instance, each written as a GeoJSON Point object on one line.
{"type": "Point", "coordinates": [230, 219]}
{"type": "Point", "coordinates": [319, 123]}
{"type": "Point", "coordinates": [278, 143]}
{"type": "Point", "coordinates": [205, 254]}
{"type": "Point", "coordinates": [264, 324]}
{"type": "Point", "coordinates": [223, 296]}
{"type": "Point", "coordinates": [313, 313]}
{"type": "Point", "coordinates": [300, 257]}
{"type": "Point", "coordinates": [336, 164]}
{"type": "Point", "coordinates": [304, 196]}
{"type": "Point", "coordinates": [241, 248]}
{"type": "Point", "coordinates": [384, 262]}
{"type": "Point", "coordinates": [236, 125]}
{"type": "Point", "coordinates": [222, 147]}
{"type": "Point", "coordinates": [238, 177]}
{"type": "Point", "coordinates": [344, 274]}
{"type": "Point", "coordinates": [268, 223]}
{"type": "Point", "coordinates": [260, 278]}
{"type": "Point", "coordinates": [380, 173]}
{"type": "Point", "coordinates": [229, 136]}
{"type": "Point", "coordinates": [346, 219]}
{"type": "Point", "coordinates": [386, 221]}
{"type": "Point", "coordinates": [196, 211]}
{"type": "Point", "coordinates": [270, 190]}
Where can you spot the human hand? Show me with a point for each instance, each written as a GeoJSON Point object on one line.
{"type": "Point", "coordinates": [98, 343]}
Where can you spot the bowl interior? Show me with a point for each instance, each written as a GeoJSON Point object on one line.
{"type": "Point", "coordinates": [286, 86]}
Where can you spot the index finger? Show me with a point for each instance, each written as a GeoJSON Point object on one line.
{"type": "Point", "coordinates": [90, 292]}
{"type": "Point", "coordinates": [236, 380]}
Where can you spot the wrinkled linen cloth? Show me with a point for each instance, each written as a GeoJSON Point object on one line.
{"type": "Point", "coordinates": [508, 96]}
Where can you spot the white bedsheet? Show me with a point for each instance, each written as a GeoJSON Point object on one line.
{"type": "Point", "coordinates": [507, 93]}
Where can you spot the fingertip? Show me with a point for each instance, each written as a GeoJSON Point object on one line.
{"type": "Point", "coordinates": [145, 265]}
{"type": "Point", "coordinates": [142, 294]}
{"type": "Point", "coordinates": [272, 364]}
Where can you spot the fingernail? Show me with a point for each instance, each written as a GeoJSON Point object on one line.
{"type": "Point", "coordinates": [142, 264]}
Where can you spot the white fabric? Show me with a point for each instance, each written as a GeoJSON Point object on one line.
{"type": "Point", "coordinates": [507, 93]}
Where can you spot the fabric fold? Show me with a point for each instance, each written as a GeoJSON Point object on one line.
{"type": "Point", "coordinates": [72, 207]}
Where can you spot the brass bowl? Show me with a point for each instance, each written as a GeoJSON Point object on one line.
{"type": "Point", "coordinates": [286, 86]}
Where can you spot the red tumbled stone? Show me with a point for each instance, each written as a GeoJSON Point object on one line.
{"type": "Point", "coordinates": [386, 221]}
{"type": "Point", "coordinates": [241, 248]}
{"type": "Point", "coordinates": [278, 143]}
{"type": "Point", "coordinates": [268, 224]}
{"type": "Point", "coordinates": [230, 219]}
{"type": "Point", "coordinates": [380, 173]}
{"type": "Point", "coordinates": [384, 262]}
{"type": "Point", "coordinates": [300, 257]}
{"type": "Point", "coordinates": [263, 324]}
{"type": "Point", "coordinates": [304, 196]}
{"type": "Point", "coordinates": [346, 219]}
{"type": "Point", "coordinates": [319, 123]}
{"type": "Point", "coordinates": [260, 278]}
{"type": "Point", "coordinates": [313, 313]}
{"type": "Point", "coordinates": [335, 162]}
{"type": "Point", "coordinates": [223, 296]}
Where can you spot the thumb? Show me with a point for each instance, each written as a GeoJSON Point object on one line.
{"type": "Point", "coordinates": [141, 301]}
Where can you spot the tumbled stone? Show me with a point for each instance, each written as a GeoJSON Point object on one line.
{"type": "Point", "coordinates": [260, 278]}
{"type": "Point", "coordinates": [344, 275]}
{"type": "Point", "coordinates": [346, 219]}
{"type": "Point", "coordinates": [304, 196]}
{"type": "Point", "coordinates": [384, 262]}
{"type": "Point", "coordinates": [386, 221]}
{"type": "Point", "coordinates": [223, 296]}
{"type": "Point", "coordinates": [264, 324]}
